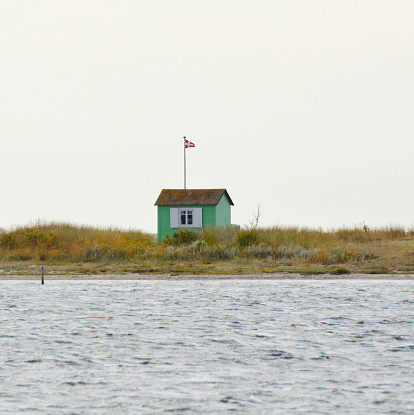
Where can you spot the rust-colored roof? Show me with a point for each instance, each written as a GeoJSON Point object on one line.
{"type": "Point", "coordinates": [173, 197]}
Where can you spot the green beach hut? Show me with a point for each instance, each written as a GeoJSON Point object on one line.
{"type": "Point", "coordinates": [192, 209]}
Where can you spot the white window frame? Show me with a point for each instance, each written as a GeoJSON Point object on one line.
{"type": "Point", "coordinates": [180, 217]}
{"type": "Point", "coordinates": [185, 218]}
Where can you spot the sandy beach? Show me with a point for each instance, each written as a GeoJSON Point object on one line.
{"type": "Point", "coordinates": [179, 277]}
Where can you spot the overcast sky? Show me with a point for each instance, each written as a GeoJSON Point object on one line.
{"type": "Point", "coordinates": [302, 107]}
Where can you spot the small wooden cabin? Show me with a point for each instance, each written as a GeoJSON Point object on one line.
{"type": "Point", "coordinates": [192, 209]}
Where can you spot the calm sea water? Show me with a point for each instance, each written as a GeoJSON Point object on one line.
{"type": "Point", "coordinates": [207, 347]}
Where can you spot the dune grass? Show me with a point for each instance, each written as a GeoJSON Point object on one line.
{"type": "Point", "coordinates": [83, 249]}
{"type": "Point", "coordinates": [66, 242]}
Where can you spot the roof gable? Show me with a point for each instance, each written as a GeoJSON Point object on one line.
{"type": "Point", "coordinates": [173, 197]}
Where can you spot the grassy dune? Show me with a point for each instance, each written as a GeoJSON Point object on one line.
{"type": "Point", "coordinates": [66, 248]}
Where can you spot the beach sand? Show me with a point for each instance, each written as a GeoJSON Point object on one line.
{"type": "Point", "coordinates": [201, 277]}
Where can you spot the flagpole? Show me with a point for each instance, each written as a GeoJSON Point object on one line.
{"type": "Point", "coordinates": [185, 168]}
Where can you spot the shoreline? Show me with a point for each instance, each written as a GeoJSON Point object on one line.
{"type": "Point", "coordinates": [204, 277]}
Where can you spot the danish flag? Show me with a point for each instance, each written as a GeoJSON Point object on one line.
{"type": "Point", "coordinates": [188, 144]}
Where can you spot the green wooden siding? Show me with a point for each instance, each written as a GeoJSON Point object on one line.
{"type": "Point", "coordinates": [209, 215]}
{"type": "Point", "coordinates": [219, 214]}
{"type": "Point", "coordinates": [163, 222]}
{"type": "Point", "coordinates": [223, 212]}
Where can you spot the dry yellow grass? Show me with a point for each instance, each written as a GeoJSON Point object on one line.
{"type": "Point", "coordinates": [66, 248]}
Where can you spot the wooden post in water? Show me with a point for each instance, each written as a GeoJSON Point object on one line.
{"type": "Point", "coordinates": [43, 275]}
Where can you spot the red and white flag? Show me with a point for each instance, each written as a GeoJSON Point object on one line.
{"type": "Point", "coordinates": [188, 144]}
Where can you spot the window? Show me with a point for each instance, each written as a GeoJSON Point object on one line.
{"type": "Point", "coordinates": [186, 217]}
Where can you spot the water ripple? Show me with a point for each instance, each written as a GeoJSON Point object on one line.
{"type": "Point", "coordinates": [245, 347]}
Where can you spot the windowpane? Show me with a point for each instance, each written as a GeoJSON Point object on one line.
{"type": "Point", "coordinates": [188, 217]}
{"type": "Point", "coordinates": [183, 217]}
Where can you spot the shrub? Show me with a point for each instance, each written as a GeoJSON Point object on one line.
{"type": "Point", "coordinates": [297, 252]}
{"type": "Point", "coordinates": [220, 235]}
{"type": "Point", "coordinates": [338, 256]}
{"type": "Point", "coordinates": [247, 237]}
{"type": "Point", "coordinates": [8, 241]}
{"type": "Point", "coordinates": [260, 251]}
{"type": "Point", "coordinates": [181, 237]}
{"type": "Point", "coordinates": [341, 271]}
